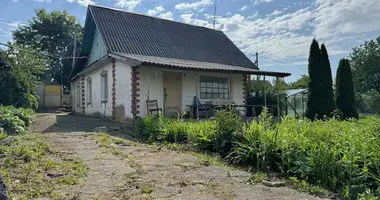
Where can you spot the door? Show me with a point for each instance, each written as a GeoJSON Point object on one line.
{"type": "Point", "coordinates": [172, 91]}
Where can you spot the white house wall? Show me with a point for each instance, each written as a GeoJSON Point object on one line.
{"type": "Point", "coordinates": [123, 90]}
{"type": "Point", "coordinates": [97, 107]}
{"type": "Point", "coordinates": [154, 86]}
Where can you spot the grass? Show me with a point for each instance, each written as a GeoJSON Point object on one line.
{"type": "Point", "coordinates": [257, 178]}
{"type": "Point", "coordinates": [341, 156]}
{"type": "Point", "coordinates": [28, 162]}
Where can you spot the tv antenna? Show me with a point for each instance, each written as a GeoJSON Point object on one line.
{"type": "Point", "coordinates": [215, 7]}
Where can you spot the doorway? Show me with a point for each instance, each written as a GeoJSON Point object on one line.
{"type": "Point", "coordinates": [172, 91]}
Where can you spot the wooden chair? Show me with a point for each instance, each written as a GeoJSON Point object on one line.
{"type": "Point", "coordinates": [152, 106]}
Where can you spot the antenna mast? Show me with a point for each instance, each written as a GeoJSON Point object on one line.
{"type": "Point", "coordinates": [213, 23]}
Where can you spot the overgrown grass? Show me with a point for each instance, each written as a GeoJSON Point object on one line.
{"type": "Point", "coordinates": [342, 156]}
{"type": "Point", "coordinates": [31, 170]}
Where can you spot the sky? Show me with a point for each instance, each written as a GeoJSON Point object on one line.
{"type": "Point", "coordinates": [280, 31]}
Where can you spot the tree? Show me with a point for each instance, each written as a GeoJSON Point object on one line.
{"type": "Point", "coordinates": [313, 105]}
{"type": "Point", "coordinates": [345, 96]}
{"type": "Point", "coordinates": [301, 83]}
{"type": "Point", "coordinates": [328, 94]}
{"type": "Point", "coordinates": [21, 76]}
{"type": "Point", "coordinates": [365, 66]}
{"type": "Point", "coordinates": [52, 34]}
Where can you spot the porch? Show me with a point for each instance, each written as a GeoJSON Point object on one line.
{"type": "Point", "coordinates": [178, 91]}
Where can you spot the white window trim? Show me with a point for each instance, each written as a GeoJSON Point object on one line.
{"type": "Point", "coordinates": [77, 96]}
{"type": "Point", "coordinates": [89, 90]}
{"type": "Point", "coordinates": [104, 86]}
{"type": "Point", "coordinates": [216, 77]}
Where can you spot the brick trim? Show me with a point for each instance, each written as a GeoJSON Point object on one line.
{"type": "Point", "coordinates": [113, 88]}
{"type": "Point", "coordinates": [82, 94]}
{"type": "Point", "coordinates": [245, 88]}
{"type": "Point", "coordinates": [135, 91]}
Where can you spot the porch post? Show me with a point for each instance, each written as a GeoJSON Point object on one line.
{"type": "Point", "coordinates": [265, 93]}
{"type": "Point", "coordinates": [278, 97]}
{"type": "Point", "coordinates": [148, 85]}
{"type": "Point", "coordinates": [196, 94]}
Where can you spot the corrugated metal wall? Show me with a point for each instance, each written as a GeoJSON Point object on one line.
{"type": "Point", "coordinates": [49, 95]}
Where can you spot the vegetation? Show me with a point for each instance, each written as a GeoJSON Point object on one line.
{"type": "Point", "coordinates": [52, 34]}
{"type": "Point", "coordinates": [15, 120]}
{"type": "Point", "coordinates": [365, 64]}
{"type": "Point", "coordinates": [30, 172]}
{"type": "Point", "coordinates": [337, 155]}
{"type": "Point", "coordinates": [345, 96]}
{"type": "Point", "coordinates": [320, 102]}
{"type": "Point", "coordinates": [301, 83]}
{"type": "Point", "coordinates": [19, 76]}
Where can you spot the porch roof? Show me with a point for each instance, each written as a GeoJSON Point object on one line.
{"type": "Point", "coordinates": [197, 65]}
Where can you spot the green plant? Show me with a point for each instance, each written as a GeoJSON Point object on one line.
{"type": "Point", "coordinates": [15, 120]}
{"type": "Point", "coordinates": [257, 178]}
{"type": "Point", "coordinates": [345, 96]}
{"type": "Point", "coordinates": [173, 131]}
{"type": "Point", "coordinates": [227, 125]}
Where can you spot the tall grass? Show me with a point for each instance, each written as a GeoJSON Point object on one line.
{"type": "Point", "coordinates": [342, 156]}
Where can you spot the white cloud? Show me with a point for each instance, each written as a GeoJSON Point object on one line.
{"type": "Point", "coordinates": [82, 2]}
{"type": "Point", "coordinates": [167, 15]}
{"type": "Point", "coordinates": [257, 2]}
{"type": "Point", "coordinates": [194, 6]}
{"type": "Point", "coordinates": [337, 17]}
{"type": "Point", "coordinates": [157, 10]}
{"type": "Point", "coordinates": [129, 4]}
{"type": "Point", "coordinates": [188, 18]}
{"type": "Point", "coordinates": [276, 12]}
{"type": "Point", "coordinates": [243, 8]}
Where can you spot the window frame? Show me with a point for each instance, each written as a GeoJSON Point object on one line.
{"type": "Point", "coordinates": [77, 96]}
{"type": "Point", "coordinates": [89, 90]}
{"type": "Point", "coordinates": [104, 86]}
{"type": "Point", "coordinates": [212, 87]}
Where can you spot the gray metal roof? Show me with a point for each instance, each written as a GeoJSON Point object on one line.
{"type": "Point", "coordinates": [197, 65]}
{"type": "Point", "coordinates": [137, 34]}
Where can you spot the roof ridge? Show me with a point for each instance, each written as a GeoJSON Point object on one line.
{"type": "Point", "coordinates": [145, 15]}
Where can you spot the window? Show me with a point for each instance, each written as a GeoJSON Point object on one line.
{"type": "Point", "coordinates": [214, 88]}
{"type": "Point", "coordinates": [77, 96]}
{"type": "Point", "coordinates": [104, 86]}
{"type": "Point", "coordinates": [89, 91]}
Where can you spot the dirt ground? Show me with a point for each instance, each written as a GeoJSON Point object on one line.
{"type": "Point", "coordinates": [147, 172]}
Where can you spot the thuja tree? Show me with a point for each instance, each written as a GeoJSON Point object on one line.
{"type": "Point", "coordinates": [345, 96]}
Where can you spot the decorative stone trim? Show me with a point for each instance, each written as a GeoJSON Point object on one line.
{"type": "Point", "coordinates": [245, 88]}
{"type": "Point", "coordinates": [113, 89]}
{"type": "Point", "coordinates": [135, 91]}
{"type": "Point", "coordinates": [82, 94]}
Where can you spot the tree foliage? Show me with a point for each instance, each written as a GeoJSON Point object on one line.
{"type": "Point", "coordinates": [301, 83]}
{"type": "Point", "coordinates": [320, 100]}
{"type": "Point", "coordinates": [19, 79]}
{"type": "Point", "coordinates": [327, 82]}
{"type": "Point", "coordinates": [52, 34]}
{"type": "Point", "coordinates": [345, 96]}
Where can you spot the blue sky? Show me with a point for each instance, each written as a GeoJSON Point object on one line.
{"type": "Point", "coordinates": [280, 30]}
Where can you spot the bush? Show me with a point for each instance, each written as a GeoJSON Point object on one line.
{"type": "Point", "coordinates": [15, 120]}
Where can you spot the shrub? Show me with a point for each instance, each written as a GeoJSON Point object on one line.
{"type": "Point", "coordinates": [15, 120]}
{"type": "Point", "coordinates": [173, 131]}
{"type": "Point", "coordinates": [227, 125]}
{"type": "Point", "coordinates": [202, 134]}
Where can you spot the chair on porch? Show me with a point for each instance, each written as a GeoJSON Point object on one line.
{"type": "Point", "coordinates": [203, 109]}
{"type": "Point", "coordinates": [152, 106]}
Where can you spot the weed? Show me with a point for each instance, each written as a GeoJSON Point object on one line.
{"type": "Point", "coordinates": [257, 178]}
{"type": "Point", "coordinates": [147, 189]}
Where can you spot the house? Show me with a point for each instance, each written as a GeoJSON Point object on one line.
{"type": "Point", "coordinates": [129, 58]}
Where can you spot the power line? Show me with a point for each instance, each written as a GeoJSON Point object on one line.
{"type": "Point", "coordinates": [63, 58]}
{"type": "Point", "coordinates": [283, 62]}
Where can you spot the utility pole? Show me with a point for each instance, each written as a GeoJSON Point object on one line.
{"type": "Point", "coordinates": [74, 49]}
{"type": "Point", "coordinates": [213, 23]}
